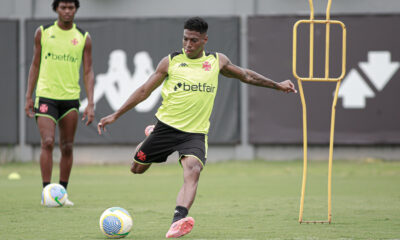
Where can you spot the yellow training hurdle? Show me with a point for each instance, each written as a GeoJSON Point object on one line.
{"type": "Point", "coordinates": [311, 77]}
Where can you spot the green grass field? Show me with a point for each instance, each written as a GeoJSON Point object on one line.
{"type": "Point", "coordinates": [235, 200]}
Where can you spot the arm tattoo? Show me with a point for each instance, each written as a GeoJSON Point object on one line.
{"type": "Point", "coordinates": [254, 78]}
{"type": "Point", "coordinates": [248, 76]}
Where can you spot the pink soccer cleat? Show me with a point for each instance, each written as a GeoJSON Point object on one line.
{"type": "Point", "coordinates": [180, 228]}
{"type": "Point", "coordinates": [148, 130]}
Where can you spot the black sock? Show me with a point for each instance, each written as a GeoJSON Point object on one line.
{"type": "Point", "coordinates": [180, 212]}
{"type": "Point", "coordinates": [45, 184]}
{"type": "Point", "coordinates": [64, 184]}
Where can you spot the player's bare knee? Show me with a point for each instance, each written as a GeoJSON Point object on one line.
{"type": "Point", "coordinates": [135, 170]}
{"type": "Point", "coordinates": [66, 148]}
{"type": "Point", "coordinates": [47, 143]}
{"type": "Point", "coordinates": [138, 169]}
{"type": "Point", "coordinates": [196, 169]}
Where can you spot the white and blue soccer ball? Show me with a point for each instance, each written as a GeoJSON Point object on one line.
{"type": "Point", "coordinates": [54, 195]}
{"type": "Point", "coordinates": [116, 222]}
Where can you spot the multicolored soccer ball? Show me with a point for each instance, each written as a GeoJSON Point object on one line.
{"type": "Point", "coordinates": [54, 195]}
{"type": "Point", "coordinates": [116, 222]}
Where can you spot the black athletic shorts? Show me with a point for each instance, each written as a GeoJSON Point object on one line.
{"type": "Point", "coordinates": [54, 109]}
{"type": "Point", "coordinates": [165, 140]}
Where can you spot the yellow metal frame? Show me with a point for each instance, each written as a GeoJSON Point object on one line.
{"type": "Point", "coordinates": [311, 77]}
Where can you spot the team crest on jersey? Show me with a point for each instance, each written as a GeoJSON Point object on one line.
{"type": "Point", "coordinates": [43, 108]}
{"type": "Point", "coordinates": [74, 41]}
{"type": "Point", "coordinates": [206, 66]}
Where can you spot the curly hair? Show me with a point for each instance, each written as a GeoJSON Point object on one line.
{"type": "Point", "coordinates": [56, 2]}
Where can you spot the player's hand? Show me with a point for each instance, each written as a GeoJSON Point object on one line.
{"type": "Point", "coordinates": [287, 86]}
{"type": "Point", "coordinates": [105, 121]}
{"type": "Point", "coordinates": [89, 113]}
{"type": "Point", "coordinates": [29, 108]}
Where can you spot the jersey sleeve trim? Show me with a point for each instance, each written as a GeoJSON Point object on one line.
{"type": "Point", "coordinates": [83, 32]}
{"type": "Point", "coordinates": [217, 57]}
{"type": "Point", "coordinates": [174, 54]}
{"type": "Point", "coordinates": [46, 26]}
{"type": "Point", "coordinates": [41, 35]}
{"type": "Point", "coordinates": [211, 53]}
{"type": "Point", "coordinates": [84, 38]}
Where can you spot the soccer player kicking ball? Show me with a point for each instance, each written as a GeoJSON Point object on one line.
{"type": "Point", "coordinates": [190, 80]}
{"type": "Point", "coordinates": [59, 49]}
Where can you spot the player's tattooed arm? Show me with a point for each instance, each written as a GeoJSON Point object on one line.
{"type": "Point", "coordinates": [228, 69]}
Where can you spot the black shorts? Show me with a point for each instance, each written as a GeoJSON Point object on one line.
{"type": "Point", "coordinates": [54, 109]}
{"type": "Point", "coordinates": [165, 140]}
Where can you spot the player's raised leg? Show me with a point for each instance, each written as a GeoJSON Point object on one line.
{"type": "Point", "coordinates": [181, 224]}
{"type": "Point", "coordinates": [138, 168]}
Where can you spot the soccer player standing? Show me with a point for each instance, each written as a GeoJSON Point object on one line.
{"type": "Point", "coordinates": [59, 49]}
{"type": "Point", "coordinates": [190, 80]}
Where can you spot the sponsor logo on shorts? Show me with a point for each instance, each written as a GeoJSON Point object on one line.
{"type": "Point", "coordinates": [43, 108]}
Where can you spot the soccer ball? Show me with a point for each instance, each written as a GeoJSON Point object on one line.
{"type": "Point", "coordinates": [115, 222]}
{"type": "Point", "coordinates": [54, 195]}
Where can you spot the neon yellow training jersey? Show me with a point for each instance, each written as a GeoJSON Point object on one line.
{"type": "Point", "coordinates": [60, 62]}
{"type": "Point", "coordinates": [189, 91]}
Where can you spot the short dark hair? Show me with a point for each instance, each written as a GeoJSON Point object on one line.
{"type": "Point", "coordinates": [196, 24]}
{"type": "Point", "coordinates": [56, 2]}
